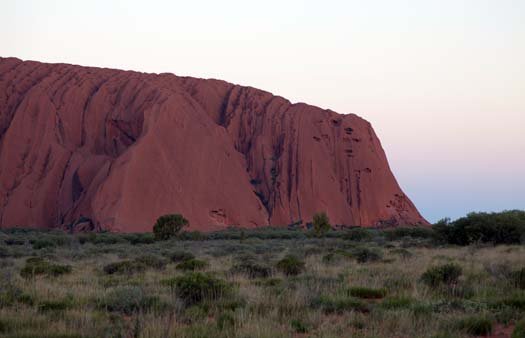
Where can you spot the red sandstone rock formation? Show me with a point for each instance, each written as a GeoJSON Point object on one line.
{"type": "Point", "coordinates": [122, 148]}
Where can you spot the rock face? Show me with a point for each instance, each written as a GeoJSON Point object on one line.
{"type": "Point", "coordinates": [111, 149]}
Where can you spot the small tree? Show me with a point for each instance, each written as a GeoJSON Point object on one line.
{"type": "Point", "coordinates": [168, 226]}
{"type": "Point", "coordinates": [321, 224]}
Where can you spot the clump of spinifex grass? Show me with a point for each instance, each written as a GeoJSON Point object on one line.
{"type": "Point", "coordinates": [367, 293]}
{"type": "Point", "coordinates": [39, 266]}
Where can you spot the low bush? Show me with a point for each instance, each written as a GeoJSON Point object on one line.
{"type": "Point", "coordinates": [262, 233]}
{"type": "Point", "coordinates": [363, 255]}
{"type": "Point", "coordinates": [290, 265]}
{"type": "Point", "coordinates": [366, 293]}
{"type": "Point", "coordinates": [101, 238]}
{"type": "Point", "coordinates": [55, 305]}
{"type": "Point", "coordinates": [476, 325]}
{"type": "Point", "coordinates": [519, 329]}
{"type": "Point", "coordinates": [252, 269]}
{"type": "Point", "coordinates": [124, 267]}
{"type": "Point", "coordinates": [516, 301]}
{"type": "Point", "coordinates": [396, 303]}
{"type": "Point", "coordinates": [232, 303]}
{"type": "Point", "coordinates": [126, 300]}
{"type": "Point", "coordinates": [51, 240]}
{"type": "Point", "coordinates": [270, 282]}
{"type": "Point", "coordinates": [14, 241]}
{"type": "Point", "coordinates": [152, 261]}
{"type": "Point", "coordinates": [338, 305]}
{"type": "Point", "coordinates": [299, 326]}
{"type": "Point", "coordinates": [10, 294]}
{"type": "Point", "coordinates": [195, 313]}
{"type": "Point", "coordinates": [42, 243]}
{"type": "Point", "coordinates": [192, 265]}
{"type": "Point", "coordinates": [139, 238]}
{"type": "Point", "coordinates": [358, 235]}
{"type": "Point", "coordinates": [196, 287]}
{"type": "Point", "coordinates": [4, 252]}
{"type": "Point", "coordinates": [226, 321]}
{"type": "Point", "coordinates": [38, 266]}
{"type": "Point", "coordinates": [192, 236]}
{"type": "Point", "coordinates": [444, 274]}
{"type": "Point", "coordinates": [414, 232]}
{"type": "Point", "coordinates": [403, 253]}
{"type": "Point", "coordinates": [179, 256]}
{"type": "Point", "coordinates": [335, 256]}
{"type": "Point", "coordinates": [517, 278]}
{"type": "Point", "coordinates": [398, 283]}
{"type": "Point", "coordinates": [422, 309]}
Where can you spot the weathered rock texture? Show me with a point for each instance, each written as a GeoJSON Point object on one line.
{"type": "Point", "coordinates": [122, 148]}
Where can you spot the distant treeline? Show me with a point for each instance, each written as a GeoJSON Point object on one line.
{"type": "Point", "coordinates": [507, 227]}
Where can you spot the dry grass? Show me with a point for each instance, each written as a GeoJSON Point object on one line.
{"type": "Point", "coordinates": [261, 307]}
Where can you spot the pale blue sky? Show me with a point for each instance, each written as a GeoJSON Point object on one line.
{"type": "Point", "coordinates": [443, 82]}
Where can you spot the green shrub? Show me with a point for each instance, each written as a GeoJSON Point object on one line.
{"type": "Point", "coordinates": [226, 321]}
{"type": "Point", "coordinates": [290, 265]}
{"type": "Point", "coordinates": [518, 278]}
{"type": "Point", "coordinates": [422, 309]}
{"type": "Point", "coordinates": [4, 252]}
{"type": "Point", "coordinates": [331, 258]}
{"type": "Point", "coordinates": [192, 236]}
{"type": "Point", "coordinates": [139, 238]}
{"type": "Point", "coordinates": [321, 224]}
{"type": "Point", "coordinates": [232, 303]}
{"type": "Point", "coordinates": [358, 235]}
{"type": "Point", "coordinates": [444, 274]}
{"type": "Point", "coordinates": [396, 303]}
{"type": "Point", "coordinates": [404, 253]}
{"type": "Point", "coordinates": [363, 255]}
{"type": "Point", "coordinates": [196, 287]}
{"type": "Point", "coordinates": [43, 243]}
{"type": "Point", "coordinates": [270, 282]}
{"type": "Point", "coordinates": [9, 294]}
{"type": "Point", "coordinates": [124, 267]}
{"type": "Point", "coordinates": [338, 305]}
{"type": "Point", "coordinates": [252, 269]}
{"type": "Point", "coordinates": [414, 232]}
{"type": "Point", "coordinates": [398, 283]}
{"type": "Point", "coordinates": [26, 299]}
{"type": "Point", "coordinates": [367, 293]}
{"type": "Point", "coordinates": [38, 266]}
{"type": "Point", "coordinates": [152, 261]}
{"type": "Point", "coordinates": [476, 325]}
{"type": "Point", "coordinates": [516, 301]}
{"type": "Point", "coordinates": [179, 256]}
{"type": "Point", "coordinates": [195, 313]}
{"type": "Point", "coordinates": [192, 265]}
{"type": "Point", "coordinates": [519, 329]}
{"type": "Point", "coordinates": [101, 238]}
{"type": "Point", "coordinates": [127, 300]}
{"type": "Point", "coordinates": [55, 305]}
{"type": "Point", "coordinates": [299, 326]}
{"type": "Point", "coordinates": [14, 241]}
{"type": "Point", "coordinates": [335, 256]}
{"type": "Point", "coordinates": [168, 226]}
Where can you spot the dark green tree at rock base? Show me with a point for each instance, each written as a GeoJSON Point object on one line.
{"type": "Point", "coordinates": [321, 224]}
{"type": "Point", "coordinates": [168, 226]}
